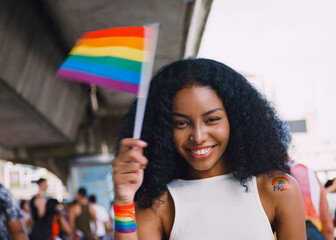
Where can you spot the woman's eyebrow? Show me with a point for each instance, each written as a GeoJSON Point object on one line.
{"type": "Point", "coordinates": [204, 114]}
{"type": "Point", "coordinates": [212, 111]}
{"type": "Point", "coordinates": [179, 115]}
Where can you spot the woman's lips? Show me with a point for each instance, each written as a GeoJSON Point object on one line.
{"type": "Point", "coordinates": [203, 152]}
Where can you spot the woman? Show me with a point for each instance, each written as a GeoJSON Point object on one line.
{"type": "Point", "coordinates": [211, 165]}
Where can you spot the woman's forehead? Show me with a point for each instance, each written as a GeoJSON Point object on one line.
{"type": "Point", "coordinates": [196, 98]}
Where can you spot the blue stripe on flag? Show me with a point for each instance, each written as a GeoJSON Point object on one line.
{"type": "Point", "coordinates": [104, 70]}
{"type": "Point", "coordinates": [125, 226]}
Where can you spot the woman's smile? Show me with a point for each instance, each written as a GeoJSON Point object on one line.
{"type": "Point", "coordinates": [201, 152]}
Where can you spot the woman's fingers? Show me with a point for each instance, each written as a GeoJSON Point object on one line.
{"type": "Point", "coordinates": [127, 168]}
{"type": "Point", "coordinates": [130, 157]}
{"type": "Point", "coordinates": [132, 178]}
{"type": "Point", "coordinates": [131, 150]}
{"type": "Point", "coordinates": [131, 143]}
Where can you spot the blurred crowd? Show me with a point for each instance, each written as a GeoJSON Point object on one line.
{"type": "Point", "coordinates": [44, 218]}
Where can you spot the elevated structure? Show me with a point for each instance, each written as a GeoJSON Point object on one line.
{"type": "Point", "coordinates": [46, 121]}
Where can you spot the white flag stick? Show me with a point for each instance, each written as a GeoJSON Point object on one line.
{"type": "Point", "coordinates": [150, 42]}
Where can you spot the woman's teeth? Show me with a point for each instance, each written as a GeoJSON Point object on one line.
{"type": "Point", "coordinates": [201, 151]}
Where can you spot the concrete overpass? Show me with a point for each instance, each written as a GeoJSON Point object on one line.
{"type": "Point", "coordinates": [46, 121]}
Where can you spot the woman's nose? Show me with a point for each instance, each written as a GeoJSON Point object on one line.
{"type": "Point", "coordinates": [198, 135]}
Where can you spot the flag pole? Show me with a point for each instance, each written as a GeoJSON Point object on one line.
{"type": "Point", "coordinates": [151, 37]}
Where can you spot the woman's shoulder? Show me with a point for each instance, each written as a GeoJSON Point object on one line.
{"type": "Point", "coordinates": [281, 198]}
{"type": "Point", "coordinates": [280, 195]}
{"type": "Point", "coordinates": [157, 218]}
{"type": "Point", "coordinates": [277, 182]}
{"type": "Point", "coordinates": [278, 187]}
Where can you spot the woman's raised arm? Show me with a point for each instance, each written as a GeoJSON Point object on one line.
{"type": "Point", "coordinates": [128, 172]}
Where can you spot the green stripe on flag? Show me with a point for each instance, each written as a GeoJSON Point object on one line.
{"type": "Point", "coordinates": [125, 223]}
{"type": "Point", "coordinates": [110, 61]}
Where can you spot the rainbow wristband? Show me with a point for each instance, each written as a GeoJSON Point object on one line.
{"type": "Point", "coordinates": [125, 219]}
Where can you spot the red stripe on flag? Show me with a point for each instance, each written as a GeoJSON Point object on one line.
{"type": "Point", "coordinates": [116, 32]}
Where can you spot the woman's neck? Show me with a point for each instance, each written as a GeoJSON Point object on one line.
{"type": "Point", "coordinates": [220, 168]}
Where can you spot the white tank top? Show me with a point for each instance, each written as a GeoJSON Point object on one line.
{"type": "Point", "coordinates": [218, 208]}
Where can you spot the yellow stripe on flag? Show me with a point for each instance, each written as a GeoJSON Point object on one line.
{"type": "Point", "coordinates": [120, 52]}
{"type": "Point", "coordinates": [124, 218]}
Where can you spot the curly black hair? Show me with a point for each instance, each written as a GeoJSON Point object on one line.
{"type": "Point", "coordinates": [256, 133]}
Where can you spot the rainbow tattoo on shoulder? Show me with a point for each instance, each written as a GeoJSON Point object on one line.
{"type": "Point", "coordinates": [280, 184]}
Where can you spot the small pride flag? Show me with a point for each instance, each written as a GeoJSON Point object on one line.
{"type": "Point", "coordinates": [111, 58]}
{"type": "Point", "coordinates": [117, 58]}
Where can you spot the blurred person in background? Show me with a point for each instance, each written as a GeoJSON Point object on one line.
{"type": "Point", "coordinates": [11, 221]}
{"type": "Point", "coordinates": [26, 213]}
{"type": "Point", "coordinates": [319, 223]}
{"type": "Point", "coordinates": [48, 219]}
{"type": "Point", "coordinates": [60, 228]}
{"type": "Point", "coordinates": [80, 216]}
{"type": "Point", "coordinates": [38, 205]}
{"type": "Point", "coordinates": [103, 219]}
{"type": "Point", "coordinates": [330, 187]}
{"type": "Point", "coordinates": [111, 212]}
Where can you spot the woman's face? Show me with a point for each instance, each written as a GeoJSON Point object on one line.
{"type": "Point", "coordinates": [201, 130]}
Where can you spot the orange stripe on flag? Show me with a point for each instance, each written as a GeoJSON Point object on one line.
{"type": "Point", "coordinates": [119, 214]}
{"type": "Point", "coordinates": [132, 42]}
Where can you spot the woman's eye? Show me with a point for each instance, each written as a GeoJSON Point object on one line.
{"type": "Point", "coordinates": [180, 124]}
{"type": "Point", "coordinates": [213, 120]}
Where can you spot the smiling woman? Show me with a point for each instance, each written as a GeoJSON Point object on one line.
{"type": "Point", "coordinates": [201, 131]}
{"type": "Point", "coordinates": [211, 150]}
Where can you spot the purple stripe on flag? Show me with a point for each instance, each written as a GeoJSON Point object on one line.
{"type": "Point", "coordinates": [126, 230]}
{"type": "Point", "coordinates": [84, 77]}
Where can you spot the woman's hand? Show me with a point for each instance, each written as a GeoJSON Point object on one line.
{"type": "Point", "coordinates": [128, 170]}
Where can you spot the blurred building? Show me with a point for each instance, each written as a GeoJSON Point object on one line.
{"type": "Point", "coordinates": [287, 49]}
{"type": "Point", "coordinates": [308, 145]}
{"type": "Point", "coordinates": [48, 122]}
{"type": "Point", "coordinates": [20, 179]}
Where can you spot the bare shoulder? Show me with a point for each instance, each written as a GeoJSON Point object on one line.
{"type": "Point", "coordinates": [75, 209]}
{"type": "Point", "coordinates": [282, 200]}
{"type": "Point", "coordinates": [156, 221]}
{"type": "Point", "coordinates": [92, 210]}
{"type": "Point", "coordinates": [273, 189]}
{"type": "Point", "coordinates": [278, 184]}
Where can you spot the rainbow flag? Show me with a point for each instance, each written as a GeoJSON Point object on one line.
{"type": "Point", "coordinates": [114, 58]}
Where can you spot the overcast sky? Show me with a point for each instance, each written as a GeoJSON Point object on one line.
{"type": "Point", "coordinates": [288, 46]}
